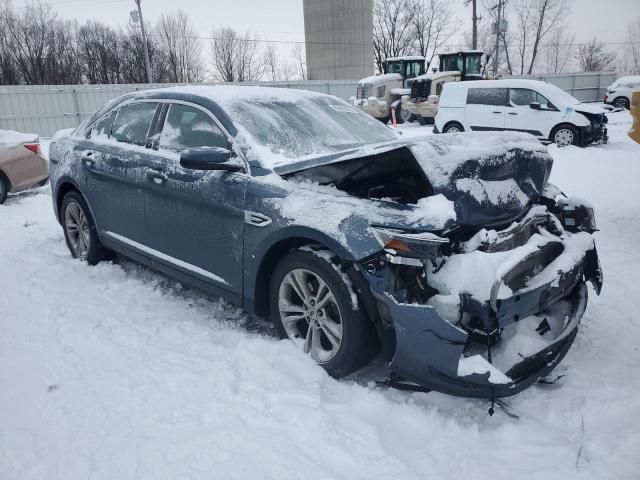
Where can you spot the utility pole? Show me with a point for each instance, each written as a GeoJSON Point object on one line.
{"type": "Point", "coordinates": [497, 57]}
{"type": "Point", "coordinates": [147, 63]}
{"type": "Point", "coordinates": [474, 19]}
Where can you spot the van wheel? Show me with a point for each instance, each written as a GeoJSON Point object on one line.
{"type": "Point", "coordinates": [80, 231]}
{"type": "Point", "coordinates": [313, 306]}
{"type": "Point", "coordinates": [453, 127]}
{"type": "Point", "coordinates": [4, 190]}
{"type": "Point", "coordinates": [565, 135]}
{"type": "Point", "coordinates": [621, 102]}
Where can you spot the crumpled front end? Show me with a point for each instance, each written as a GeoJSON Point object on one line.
{"type": "Point", "coordinates": [486, 313]}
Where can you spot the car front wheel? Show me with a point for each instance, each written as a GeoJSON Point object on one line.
{"type": "Point", "coordinates": [313, 305]}
{"type": "Point", "coordinates": [565, 135]}
{"type": "Point", "coordinates": [453, 127]}
{"type": "Point", "coordinates": [80, 230]}
{"type": "Point", "coordinates": [4, 190]}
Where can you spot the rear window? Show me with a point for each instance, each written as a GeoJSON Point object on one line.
{"type": "Point", "coordinates": [488, 96]}
{"type": "Point", "coordinates": [133, 122]}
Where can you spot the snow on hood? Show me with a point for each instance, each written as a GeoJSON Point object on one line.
{"type": "Point", "coordinates": [489, 176]}
{"type": "Point", "coordinates": [386, 77]}
{"type": "Point", "coordinates": [589, 108]}
{"type": "Point", "coordinates": [10, 139]}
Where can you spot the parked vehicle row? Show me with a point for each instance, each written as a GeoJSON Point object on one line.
{"type": "Point", "coordinates": [452, 254]}
{"type": "Point", "coordinates": [21, 165]}
{"type": "Point", "coordinates": [619, 92]}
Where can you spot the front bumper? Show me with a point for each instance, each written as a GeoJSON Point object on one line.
{"type": "Point", "coordinates": [482, 355]}
{"type": "Point", "coordinates": [419, 108]}
{"type": "Point", "coordinates": [372, 106]}
{"type": "Point", "coordinates": [594, 133]}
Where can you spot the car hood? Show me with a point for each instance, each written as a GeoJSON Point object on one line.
{"type": "Point", "coordinates": [491, 177]}
{"type": "Point", "coordinates": [587, 108]}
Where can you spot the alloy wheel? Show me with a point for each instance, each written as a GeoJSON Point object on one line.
{"type": "Point", "coordinates": [77, 227]}
{"type": "Point", "coordinates": [310, 314]}
{"type": "Point", "coordinates": [620, 103]}
{"type": "Point", "coordinates": [563, 137]}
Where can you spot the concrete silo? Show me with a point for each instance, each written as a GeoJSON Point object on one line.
{"type": "Point", "coordinates": [339, 38]}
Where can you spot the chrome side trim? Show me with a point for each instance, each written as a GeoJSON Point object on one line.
{"type": "Point", "coordinates": [164, 257]}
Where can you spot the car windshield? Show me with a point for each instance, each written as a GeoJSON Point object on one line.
{"type": "Point", "coordinates": [557, 96]}
{"type": "Point", "coordinates": [307, 125]}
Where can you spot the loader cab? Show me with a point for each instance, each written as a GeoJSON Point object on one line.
{"type": "Point", "coordinates": [469, 63]}
{"type": "Point", "coordinates": [408, 67]}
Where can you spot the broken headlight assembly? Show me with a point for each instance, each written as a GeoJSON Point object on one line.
{"type": "Point", "coordinates": [576, 216]}
{"type": "Point", "coordinates": [410, 248]}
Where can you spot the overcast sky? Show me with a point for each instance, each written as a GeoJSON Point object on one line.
{"type": "Point", "coordinates": [283, 20]}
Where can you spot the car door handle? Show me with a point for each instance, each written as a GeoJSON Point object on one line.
{"type": "Point", "coordinates": [512, 113]}
{"type": "Point", "coordinates": [496, 112]}
{"type": "Point", "coordinates": [156, 176]}
{"type": "Point", "coordinates": [87, 159]}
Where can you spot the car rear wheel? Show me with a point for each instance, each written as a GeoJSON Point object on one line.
{"type": "Point", "coordinates": [453, 127]}
{"type": "Point", "coordinates": [313, 306]}
{"type": "Point", "coordinates": [4, 190]}
{"type": "Point", "coordinates": [621, 102]}
{"type": "Point", "coordinates": [565, 135]}
{"type": "Point", "coordinates": [80, 230]}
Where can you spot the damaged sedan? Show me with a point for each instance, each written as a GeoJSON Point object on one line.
{"type": "Point", "coordinates": [451, 255]}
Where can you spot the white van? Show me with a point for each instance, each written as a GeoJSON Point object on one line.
{"type": "Point", "coordinates": [520, 105]}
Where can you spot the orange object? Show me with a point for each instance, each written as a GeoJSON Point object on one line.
{"type": "Point", "coordinates": [393, 118]}
{"type": "Point", "coordinates": [634, 133]}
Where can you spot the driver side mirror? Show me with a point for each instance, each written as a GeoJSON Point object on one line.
{"type": "Point", "coordinates": [535, 106]}
{"type": "Point", "coordinates": [209, 158]}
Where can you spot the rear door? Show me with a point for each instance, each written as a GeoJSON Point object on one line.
{"type": "Point", "coordinates": [195, 218]}
{"type": "Point", "coordinates": [487, 108]}
{"type": "Point", "coordinates": [113, 160]}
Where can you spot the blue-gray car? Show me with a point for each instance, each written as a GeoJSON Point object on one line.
{"type": "Point", "coordinates": [450, 256]}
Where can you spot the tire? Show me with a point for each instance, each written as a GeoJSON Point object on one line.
{"type": "Point", "coordinates": [404, 116]}
{"type": "Point", "coordinates": [4, 190]}
{"type": "Point", "coordinates": [80, 231]}
{"type": "Point", "coordinates": [453, 127]}
{"type": "Point", "coordinates": [354, 339]}
{"type": "Point", "coordinates": [426, 120]}
{"type": "Point", "coordinates": [621, 102]}
{"type": "Point", "coordinates": [384, 120]}
{"type": "Point", "coordinates": [564, 135]}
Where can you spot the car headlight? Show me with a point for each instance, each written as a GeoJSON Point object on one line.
{"type": "Point", "coordinates": [577, 216]}
{"type": "Point", "coordinates": [423, 245]}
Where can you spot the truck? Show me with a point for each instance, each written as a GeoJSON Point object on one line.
{"type": "Point", "coordinates": [378, 95]}
{"type": "Point", "coordinates": [424, 94]}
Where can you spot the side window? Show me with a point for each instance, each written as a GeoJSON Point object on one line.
{"type": "Point", "coordinates": [133, 122]}
{"type": "Point", "coordinates": [487, 96]}
{"type": "Point", "coordinates": [102, 128]}
{"type": "Point", "coordinates": [189, 127]}
{"type": "Point", "coordinates": [523, 97]}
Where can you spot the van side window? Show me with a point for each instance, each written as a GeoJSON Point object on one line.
{"type": "Point", "coordinates": [189, 127]}
{"type": "Point", "coordinates": [523, 97]}
{"type": "Point", "coordinates": [133, 122]}
{"type": "Point", "coordinates": [487, 96]}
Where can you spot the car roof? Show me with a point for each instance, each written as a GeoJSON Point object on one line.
{"type": "Point", "coordinates": [503, 83]}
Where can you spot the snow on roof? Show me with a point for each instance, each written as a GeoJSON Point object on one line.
{"type": "Point", "coordinates": [379, 78]}
{"type": "Point", "coordinates": [223, 94]}
{"type": "Point", "coordinates": [10, 139]}
{"type": "Point", "coordinates": [408, 58]}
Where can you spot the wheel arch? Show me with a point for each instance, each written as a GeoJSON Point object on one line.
{"type": "Point", "coordinates": [555, 128]}
{"type": "Point", "coordinates": [452, 122]}
{"type": "Point", "coordinates": [5, 178]}
{"type": "Point", "coordinates": [64, 186]}
{"type": "Point", "coordinates": [274, 251]}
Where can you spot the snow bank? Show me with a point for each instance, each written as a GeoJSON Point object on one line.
{"type": "Point", "coordinates": [10, 139]}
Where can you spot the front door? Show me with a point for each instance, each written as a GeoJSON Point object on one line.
{"type": "Point", "coordinates": [523, 118]}
{"type": "Point", "coordinates": [487, 108]}
{"type": "Point", "coordinates": [195, 218]}
{"type": "Point", "coordinates": [112, 159]}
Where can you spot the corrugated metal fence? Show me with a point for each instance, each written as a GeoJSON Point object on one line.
{"type": "Point", "coordinates": [47, 109]}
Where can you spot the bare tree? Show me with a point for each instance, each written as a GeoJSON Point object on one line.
{"type": "Point", "coordinates": [99, 53]}
{"type": "Point", "coordinates": [433, 25]}
{"type": "Point", "coordinates": [132, 58]}
{"type": "Point", "coordinates": [235, 58]}
{"type": "Point", "coordinates": [300, 60]}
{"type": "Point", "coordinates": [393, 31]}
{"type": "Point", "coordinates": [592, 57]}
{"type": "Point", "coordinates": [271, 61]}
{"type": "Point", "coordinates": [631, 57]}
{"type": "Point", "coordinates": [179, 44]}
{"type": "Point", "coordinates": [558, 50]}
{"type": "Point", "coordinates": [8, 69]}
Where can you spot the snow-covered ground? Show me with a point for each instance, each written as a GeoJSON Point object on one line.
{"type": "Point", "coordinates": [116, 372]}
